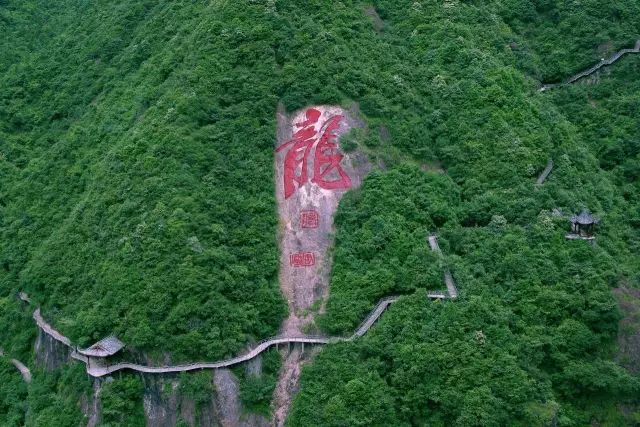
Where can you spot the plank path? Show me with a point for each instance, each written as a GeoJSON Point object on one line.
{"type": "Point", "coordinates": [97, 367]}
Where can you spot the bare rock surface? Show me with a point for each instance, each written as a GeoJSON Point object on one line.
{"type": "Point", "coordinates": [228, 402]}
{"type": "Point", "coordinates": [91, 407]}
{"type": "Point", "coordinates": [160, 401]}
{"type": "Point", "coordinates": [165, 405]}
{"type": "Point", "coordinates": [50, 353]}
{"type": "Point", "coordinates": [311, 176]}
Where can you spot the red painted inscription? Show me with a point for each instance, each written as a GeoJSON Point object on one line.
{"type": "Point", "coordinates": [327, 172]}
{"type": "Point", "coordinates": [302, 259]}
{"type": "Point", "coordinates": [309, 219]}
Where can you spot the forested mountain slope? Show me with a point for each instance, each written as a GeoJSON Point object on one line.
{"type": "Point", "coordinates": [137, 198]}
{"type": "Point", "coordinates": [129, 204]}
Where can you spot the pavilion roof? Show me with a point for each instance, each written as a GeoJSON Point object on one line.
{"type": "Point", "coordinates": [105, 347]}
{"type": "Point", "coordinates": [585, 218]}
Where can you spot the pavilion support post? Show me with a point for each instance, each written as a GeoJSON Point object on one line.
{"type": "Point", "coordinates": [303, 346]}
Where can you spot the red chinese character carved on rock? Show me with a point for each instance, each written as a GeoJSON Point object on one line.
{"type": "Point", "coordinates": [302, 259]}
{"type": "Point", "coordinates": [327, 172]}
{"type": "Point", "coordinates": [309, 219]}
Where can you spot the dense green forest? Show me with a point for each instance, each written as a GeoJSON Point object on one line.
{"type": "Point", "coordinates": [136, 198]}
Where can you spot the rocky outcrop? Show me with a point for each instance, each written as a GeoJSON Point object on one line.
{"type": "Point", "coordinates": [228, 402]}
{"type": "Point", "coordinates": [50, 353]}
{"type": "Point", "coordinates": [165, 405]}
{"type": "Point", "coordinates": [90, 405]}
{"type": "Point", "coordinates": [312, 173]}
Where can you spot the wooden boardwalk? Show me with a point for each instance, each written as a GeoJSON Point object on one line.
{"type": "Point", "coordinates": [26, 373]}
{"type": "Point", "coordinates": [452, 290]}
{"type": "Point", "coordinates": [49, 330]}
{"type": "Point", "coordinates": [585, 73]}
{"type": "Point", "coordinates": [545, 173]}
{"type": "Point", "coordinates": [96, 367]}
{"type": "Point", "coordinates": [372, 317]}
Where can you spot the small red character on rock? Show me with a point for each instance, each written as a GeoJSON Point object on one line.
{"type": "Point", "coordinates": [309, 219]}
{"type": "Point", "coordinates": [302, 259]}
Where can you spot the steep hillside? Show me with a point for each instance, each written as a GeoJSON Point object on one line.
{"type": "Point", "coordinates": [137, 195]}
{"type": "Point", "coordinates": [138, 198]}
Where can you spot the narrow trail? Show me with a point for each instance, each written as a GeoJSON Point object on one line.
{"type": "Point", "coordinates": [585, 73]}
{"type": "Point", "coordinates": [26, 373]}
{"type": "Point", "coordinates": [96, 367]}
{"type": "Point", "coordinates": [452, 290]}
{"type": "Point", "coordinates": [545, 173]}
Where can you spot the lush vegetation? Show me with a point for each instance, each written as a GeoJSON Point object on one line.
{"type": "Point", "coordinates": [122, 402]}
{"type": "Point", "coordinates": [54, 397]}
{"type": "Point", "coordinates": [555, 39]}
{"type": "Point", "coordinates": [13, 395]}
{"type": "Point", "coordinates": [137, 198]}
{"type": "Point", "coordinates": [127, 177]}
{"type": "Point", "coordinates": [256, 388]}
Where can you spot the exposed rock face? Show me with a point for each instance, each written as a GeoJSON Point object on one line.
{"type": "Point", "coordinates": [254, 420]}
{"type": "Point", "coordinates": [90, 405]}
{"type": "Point", "coordinates": [50, 354]}
{"type": "Point", "coordinates": [254, 366]}
{"type": "Point", "coordinates": [160, 400]}
{"type": "Point", "coordinates": [228, 402]}
{"type": "Point", "coordinates": [164, 406]}
{"type": "Point", "coordinates": [287, 386]}
{"type": "Point", "coordinates": [311, 176]}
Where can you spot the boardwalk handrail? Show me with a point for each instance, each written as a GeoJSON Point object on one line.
{"type": "Point", "coordinates": [96, 369]}
{"type": "Point", "coordinates": [373, 316]}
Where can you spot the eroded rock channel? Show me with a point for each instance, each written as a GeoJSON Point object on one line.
{"type": "Point", "coordinates": [312, 174]}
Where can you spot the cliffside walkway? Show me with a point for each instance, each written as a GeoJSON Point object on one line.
{"type": "Point", "coordinates": [585, 73]}
{"type": "Point", "coordinates": [545, 173]}
{"type": "Point", "coordinates": [49, 329]}
{"type": "Point", "coordinates": [452, 290]}
{"type": "Point", "coordinates": [96, 367]}
{"type": "Point", "coordinates": [24, 371]}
